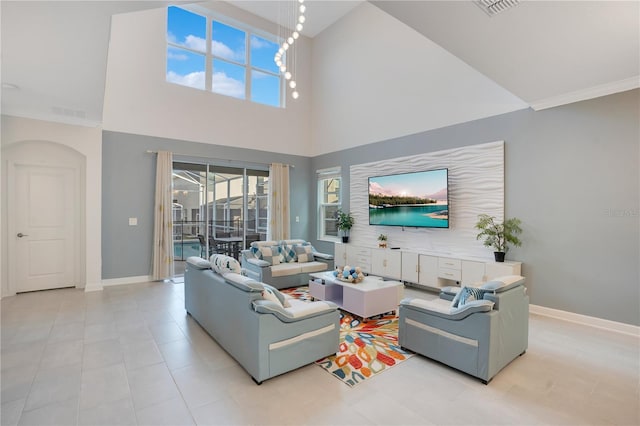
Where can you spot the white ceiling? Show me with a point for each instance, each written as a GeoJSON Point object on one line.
{"type": "Point", "coordinates": [55, 52]}
{"type": "Point", "coordinates": [320, 13]}
{"type": "Point", "coordinates": [546, 53]}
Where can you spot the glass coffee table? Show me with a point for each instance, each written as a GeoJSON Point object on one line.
{"type": "Point", "coordinates": [372, 296]}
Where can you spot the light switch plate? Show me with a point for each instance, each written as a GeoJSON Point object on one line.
{"type": "Point", "coordinates": [133, 221]}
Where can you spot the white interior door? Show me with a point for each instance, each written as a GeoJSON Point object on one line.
{"type": "Point", "coordinates": [45, 216]}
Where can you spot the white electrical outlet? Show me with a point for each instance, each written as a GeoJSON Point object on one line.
{"type": "Point", "coordinates": [133, 221]}
{"type": "Point", "coordinates": [297, 218]}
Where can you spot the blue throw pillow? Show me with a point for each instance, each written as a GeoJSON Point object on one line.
{"type": "Point", "coordinates": [255, 250]}
{"type": "Point", "coordinates": [466, 295]}
{"type": "Point", "coordinates": [469, 294]}
{"type": "Point", "coordinates": [288, 253]}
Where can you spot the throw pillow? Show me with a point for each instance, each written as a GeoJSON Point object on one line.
{"type": "Point", "coordinates": [281, 297]}
{"type": "Point", "coordinates": [277, 257]}
{"type": "Point", "coordinates": [270, 254]}
{"type": "Point", "coordinates": [255, 250]}
{"type": "Point", "coordinates": [221, 264]}
{"type": "Point", "coordinates": [468, 294]}
{"type": "Point", "coordinates": [288, 253]}
{"type": "Point", "coordinates": [304, 253]}
{"type": "Point", "coordinates": [268, 294]}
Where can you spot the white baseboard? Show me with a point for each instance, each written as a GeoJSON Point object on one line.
{"type": "Point", "coordinates": [92, 287]}
{"type": "Point", "coordinates": [126, 280]}
{"type": "Point", "coordinates": [604, 324]}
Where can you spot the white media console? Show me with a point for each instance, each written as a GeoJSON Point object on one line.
{"type": "Point", "coordinates": [429, 270]}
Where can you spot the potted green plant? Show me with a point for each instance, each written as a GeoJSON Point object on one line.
{"type": "Point", "coordinates": [499, 235]}
{"type": "Point", "coordinates": [382, 241]}
{"type": "Point", "coordinates": [345, 222]}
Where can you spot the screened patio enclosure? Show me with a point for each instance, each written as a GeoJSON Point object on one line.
{"type": "Point", "coordinates": [217, 209]}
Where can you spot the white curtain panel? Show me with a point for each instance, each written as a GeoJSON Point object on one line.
{"type": "Point", "coordinates": [163, 227]}
{"type": "Point", "coordinates": [279, 223]}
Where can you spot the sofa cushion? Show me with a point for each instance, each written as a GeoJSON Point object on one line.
{"type": "Point", "coordinates": [257, 244]}
{"type": "Point", "coordinates": [505, 283]}
{"type": "Point", "coordinates": [221, 264]}
{"type": "Point", "coordinates": [285, 269]}
{"type": "Point", "coordinates": [242, 282]}
{"type": "Point", "coordinates": [304, 253]}
{"type": "Point", "coordinates": [313, 267]}
{"type": "Point", "coordinates": [292, 242]}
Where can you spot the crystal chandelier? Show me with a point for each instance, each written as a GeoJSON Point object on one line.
{"type": "Point", "coordinates": [289, 27]}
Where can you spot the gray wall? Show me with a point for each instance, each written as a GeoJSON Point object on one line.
{"type": "Point", "coordinates": [128, 182]}
{"type": "Point", "coordinates": [571, 175]}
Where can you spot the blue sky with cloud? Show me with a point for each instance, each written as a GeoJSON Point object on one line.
{"type": "Point", "coordinates": [228, 46]}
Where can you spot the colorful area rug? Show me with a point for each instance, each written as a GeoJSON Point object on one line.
{"type": "Point", "coordinates": [366, 348]}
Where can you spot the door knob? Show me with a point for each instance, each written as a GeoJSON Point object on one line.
{"type": "Point", "coordinates": [20, 235]}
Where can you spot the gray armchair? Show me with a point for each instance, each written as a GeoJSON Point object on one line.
{"type": "Point", "coordinates": [479, 338]}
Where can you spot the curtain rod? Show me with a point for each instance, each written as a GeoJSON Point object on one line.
{"type": "Point", "coordinates": [220, 159]}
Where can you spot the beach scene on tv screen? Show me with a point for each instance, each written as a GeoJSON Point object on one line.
{"type": "Point", "coordinates": [410, 199]}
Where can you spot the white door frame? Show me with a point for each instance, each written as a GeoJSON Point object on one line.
{"type": "Point", "coordinates": [78, 202]}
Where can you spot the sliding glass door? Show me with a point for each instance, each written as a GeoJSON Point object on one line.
{"type": "Point", "coordinates": [217, 209]}
{"type": "Point", "coordinates": [189, 221]}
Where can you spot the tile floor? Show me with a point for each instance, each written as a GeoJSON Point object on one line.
{"type": "Point", "coordinates": [130, 355]}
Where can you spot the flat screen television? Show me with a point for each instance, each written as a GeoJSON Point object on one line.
{"type": "Point", "coordinates": [417, 199]}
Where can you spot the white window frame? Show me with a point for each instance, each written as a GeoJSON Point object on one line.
{"type": "Point", "coordinates": [209, 56]}
{"type": "Point", "coordinates": [324, 175]}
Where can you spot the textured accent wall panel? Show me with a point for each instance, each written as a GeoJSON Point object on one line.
{"type": "Point", "coordinates": [476, 185]}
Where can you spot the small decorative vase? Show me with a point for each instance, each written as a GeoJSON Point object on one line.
{"type": "Point", "coordinates": [382, 244]}
{"type": "Point", "coordinates": [345, 239]}
{"type": "Point", "coordinates": [499, 256]}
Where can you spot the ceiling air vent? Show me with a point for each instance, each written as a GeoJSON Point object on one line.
{"type": "Point", "coordinates": [493, 7]}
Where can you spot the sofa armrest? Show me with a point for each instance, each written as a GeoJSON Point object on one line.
{"type": "Point", "coordinates": [258, 262]}
{"type": "Point", "coordinates": [198, 263]}
{"type": "Point", "coordinates": [442, 308]}
{"type": "Point", "coordinates": [297, 312]}
{"type": "Point", "coordinates": [449, 293]}
{"type": "Point", "coordinates": [324, 256]}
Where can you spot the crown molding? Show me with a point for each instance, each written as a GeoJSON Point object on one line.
{"type": "Point", "coordinates": [589, 93]}
{"type": "Point", "coordinates": [50, 117]}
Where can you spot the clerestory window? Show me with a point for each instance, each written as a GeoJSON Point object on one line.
{"type": "Point", "coordinates": [222, 57]}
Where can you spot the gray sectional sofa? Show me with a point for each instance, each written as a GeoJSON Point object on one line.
{"type": "Point", "coordinates": [480, 337]}
{"type": "Point", "coordinates": [265, 337]}
{"type": "Point", "coordinates": [284, 263]}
